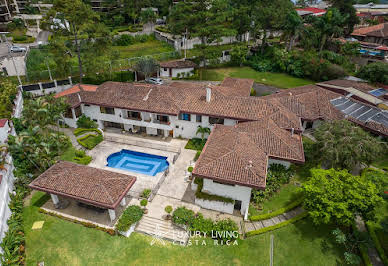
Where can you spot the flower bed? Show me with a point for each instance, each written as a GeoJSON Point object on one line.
{"type": "Point", "coordinates": [130, 216]}
{"type": "Point", "coordinates": [90, 141]}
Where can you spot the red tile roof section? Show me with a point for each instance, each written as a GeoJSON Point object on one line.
{"type": "Point", "coordinates": [3, 122]}
{"type": "Point", "coordinates": [75, 89]}
{"type": "Point", "coordinates": [90, 185]}
{"type": "Point", "coordinates": [380, 30]}
{"type": "Point", "coordinates": [178, 64]}
{"type": "Point", "coordinates": [239, 154]}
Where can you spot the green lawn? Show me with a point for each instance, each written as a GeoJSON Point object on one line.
{"type": "Point", "coordinates": [70, 155]}
{"type": "Point", "coordinates": [65, 243]}
{"type": "Point", "coordinates": [279, 80]}
{"type": "Point", "coordinates": [381, 163]}
{"type": "Point", "coordinates": [287, 194]}
{"type": "Point", "coordinates": [141, 49]}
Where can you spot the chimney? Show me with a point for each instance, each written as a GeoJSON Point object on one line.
{"type": "Point", "coordinates": [292, 131]}
{"type": "Point", "coordinates": [208, 94]}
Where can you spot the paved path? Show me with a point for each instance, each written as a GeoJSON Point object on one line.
{"type": "Point", "coordinates": [372, 252]}
{"type": "Point", "coordinates": [251, 226]}
{"type": "Point", "coordinates": [69, 132]}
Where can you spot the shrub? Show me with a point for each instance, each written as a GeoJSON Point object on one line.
{"type": "Point", "coordinates": [289, 207]}
{"type": "Point", "coordinates": [197, 155]}
{"type": "Point", "coordinates": [377, 243]}
{"type": "Point", "coordinates": [375, 72]}
{"type": "Point", "coordinates": [225, 226]}
{"type": "Point", "coordinates": [90, 141]}
{"type": "Point", "coordinates": [83, 160]}
{"type": "Point", "coordinates": [168, 209]}
{"type": "Point", "coordinates": [200, 224]}
{"type": "Point", "coordinates": [130, 216]}
{"type": "Point", "coordinates": [183, 216]}
{"type": "Point", "coordinates": [146, 193]}
{"type": "Point", "coordinates": [190, 169]}
{"type": "Point", "coordinates": [85, 122]}
{"type": "Point", "coordinates": [80, 153]}
{"type": "Point", "coordinates": [80, 131]}
{"type": "Point", "coordinates": [143, 202]}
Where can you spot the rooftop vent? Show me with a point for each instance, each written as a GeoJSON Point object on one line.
{"type": "Point", "coordinates": [208, 94]}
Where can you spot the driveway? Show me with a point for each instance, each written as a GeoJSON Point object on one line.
{"type": "Point", "coordinates": [263, 90]}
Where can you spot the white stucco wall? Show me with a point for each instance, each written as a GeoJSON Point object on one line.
{"type": "Point", "coordinates": [235, 192]}
{"type": "Point", "coordinates": [4, 132]}
{"type": "Point", "coordinates": [215, 205]}
{"type": "Point", "coordinates": [175, 71]}
{"type": "Point", "coordinates": [274, 161]}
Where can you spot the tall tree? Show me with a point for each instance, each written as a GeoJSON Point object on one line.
{"type": "Point", "coordinates": [338, 197]}
{"type": "Point", "coordinates": [344, 145]}
{"type": "Point", "coordinates": [75, 18]}
{"type": "Point", "coordinates": [147, 66]}
{"type": "Point", "coordinates": [293, 28]}
{"type": "Point", "coordinates": [346, 8]}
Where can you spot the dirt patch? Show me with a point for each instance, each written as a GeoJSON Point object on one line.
{"type": "Point", "coordinates": [263, 90]}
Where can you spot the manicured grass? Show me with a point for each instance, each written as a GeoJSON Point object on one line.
{"type": "Point", "coordinates": [90, 141]}
{"type": "Point", "coordinates": [61, 242]}
{"type": "Point", "coordinates": [381, 214]}
{"type": "Point", "coordinates": [382, 163]}
{"type": "Point", "coordinates": [141, 49]}
{"type": "Point", "coordinates": [279, 80]}
{"type": "Point", "coordinates": [195, 144]}
{"type": "Point", "coordinates": [287, 194]}
{"type": "Point", "coordinates": [70, 155]}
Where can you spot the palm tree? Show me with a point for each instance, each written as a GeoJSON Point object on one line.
{"type": "Point", "coordinates": [202, 130]}
{"type": "Point", "coordinates": [293, 28]}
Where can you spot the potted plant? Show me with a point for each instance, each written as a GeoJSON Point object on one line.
{"type": "Point", "coordinates": [143, 203]}
{"type": "Point", "coordinates": [168, 210]}
{"type": "Point", "coordinates": [146, 193]}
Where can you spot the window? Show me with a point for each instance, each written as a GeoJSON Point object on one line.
{"type": "Point", "coordinates": [134, 115]}
{"type": "Point", "coordinates": [162, 119]}
{"type": "Point", "coordinates": [199, 118]}
{"type": "Point", "coordinates": [165, 69]}
{"type": "Point", "coordinates": [69, 114]}
{"type": "Point", "coordinates": [216, 120]}
{"type": "Point", "coordinates": [87, 105]}
{"type": "Point", "coordinates": [107, 110]}
{"type": "Point", "coordinates": [78, 112]}
{"type": "Point", "coordinates": [185, 117]}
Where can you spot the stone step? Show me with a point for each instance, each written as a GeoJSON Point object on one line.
{"type": "Point", "coordinates": [162, 229]}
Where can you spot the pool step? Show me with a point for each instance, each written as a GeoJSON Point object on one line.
{"type": "Point", "coordinates": [162, 229]}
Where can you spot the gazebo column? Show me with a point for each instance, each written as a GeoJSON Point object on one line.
{"type": "Point", "coordinates": [55, 199]}
{"type": "Point", "coordinates": [123, 202]}
{"type": "Point", "coordinates": [112, 214]}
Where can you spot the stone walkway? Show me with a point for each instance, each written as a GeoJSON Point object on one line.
{"type": "Point", "coordinates": [251, 226]}
{"type": "Point", "coordinates": [69, 132]}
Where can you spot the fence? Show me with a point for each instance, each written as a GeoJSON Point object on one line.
{"type": "Point", "coordinates": [40, 89]}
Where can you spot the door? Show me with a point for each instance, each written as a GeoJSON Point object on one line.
{"type": "Point", "coordinates": [170, 72]}
{"type": "Point", "coordinates": [237, 204]}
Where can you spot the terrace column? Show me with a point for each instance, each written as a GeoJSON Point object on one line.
{"type": "Point", "coordinates": [112, 214]}
{"type": "Point", "coordinates": [123, 202]}
{"type": "Point", "coordinates": [55, 199]}
{"type": "Point", "coordinates": [73, 113]}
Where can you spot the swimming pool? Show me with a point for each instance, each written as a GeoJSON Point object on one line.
{"type": "Point", "coordinates": [138, 162]}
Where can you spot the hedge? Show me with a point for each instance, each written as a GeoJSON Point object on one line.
{"type": "Point", "coordinates": [277, 226]}
{"type": "Point", "coordinates": [90, 141]}
{"type": "Point", "coordinates": [80, 131]}
{"type": "Point", "coordinates": [364, 255]}
{"type": "Point", "coordinates": [289, 207]}
{"type": "Point", "coordinates": [131, 215]}
{"type": "Point", "coordinates": [376, 241]}
{"type": "Point", "coordinates": [205, 196]}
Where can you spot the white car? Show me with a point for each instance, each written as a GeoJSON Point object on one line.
{"type": "Point", "coordinates": [156, 81]}
{"type": "Point", "coordinates": [18, 49]}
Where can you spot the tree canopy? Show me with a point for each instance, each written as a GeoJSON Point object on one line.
{"type": "Point", "coordinates": [343, 144]}
{"type": "Point", "coordinates": [333, 196]}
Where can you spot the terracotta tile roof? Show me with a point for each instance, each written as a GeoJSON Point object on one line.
{"type": "Point", "coordinates": [309, 102]}
{"type": "Point", "coordinates": [237, 87]}
{"type": "Point", "coordinates": [380, 30]}
{"type": "Point", "coordinates": [187, 98]}
{"type": "Point", "coordinates": [93, 186]}
{"type": "Point", "coordinates": [239, 154]}
{"type": "Point", "coordinates": [363, 86]}
{"type": "Point", "coordinates": [3, 122]}
{"type": "Point", "coordinates": [178, 64]}
{"type": "Point", "coordinates": [75, 89]}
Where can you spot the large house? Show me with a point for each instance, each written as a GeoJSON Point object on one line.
{"type": "Point", "coordinates": [373, 34]}
{"type": "Point", "coordinates": [248, 134]}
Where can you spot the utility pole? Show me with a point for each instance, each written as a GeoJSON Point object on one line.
{"type": "Point", "coordinates": [48, 68]}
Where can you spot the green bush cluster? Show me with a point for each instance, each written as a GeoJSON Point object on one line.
{"type": "Point", "coordinates": [289, 207]}
{"type": "Point", "coordinates": [131, 215]}
{"type": "Point", "coordinates": [205, 196]}
{"type": "Point", "coordinates": [195, 144]}
{"type": "Point", "coordinates": [190, 169]}
{"type": "Point", "coordinates": [277, 176]}
{"type": "Point", "coordinates": [303, 65]}
{"type": "Point", "coordinates": [79, 131]}
{"type": "Point", "coordinates": [374, 72]}
{"type": "Point", "coordinates": [82, 158]}
{"type": "Point", "coordinates": [364, 255]}
{"type": "Point", "coordinates": [277, 226]}
{"type": "Point", "coordinates": [90, 141]}
{"type": "Point", "coordinates": [85, 122]}
{"type": "Point", "coordinates": [146, 193]}
{"type": "Point", "coordinates": [14, 239]}
{"type": "Point", "coordinates": [126, 39]}
{"type": "Point", "coordinates": [162, 29]}
{"type": "Point", "coordinates": [197, 223]}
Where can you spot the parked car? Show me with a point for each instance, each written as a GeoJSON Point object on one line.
{"type": "Point", "coordinates": [160, 21]}
{"type": "Point", "coordinates": [18, 49]}
{"type": "Point", "coordinates": [156, 81]}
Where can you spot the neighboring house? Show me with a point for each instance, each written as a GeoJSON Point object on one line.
{"type": "Point", "coordinates": [177, 68]}
{"type": "Point", "coordinates": [371, 7]}
{"type": "Point", "coordinates": [373, 34]}
{"type": "Point", "coordinates": [310, 11]}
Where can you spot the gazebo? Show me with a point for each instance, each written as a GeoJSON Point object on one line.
{"type": "Point", "coordinates": [88, 185]}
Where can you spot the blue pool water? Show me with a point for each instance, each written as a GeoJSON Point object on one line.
{"type": "Point", "coordinates": [138, 162]}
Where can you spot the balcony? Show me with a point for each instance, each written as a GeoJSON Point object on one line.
{"type": "Point", "coordinates": [162, 122]}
